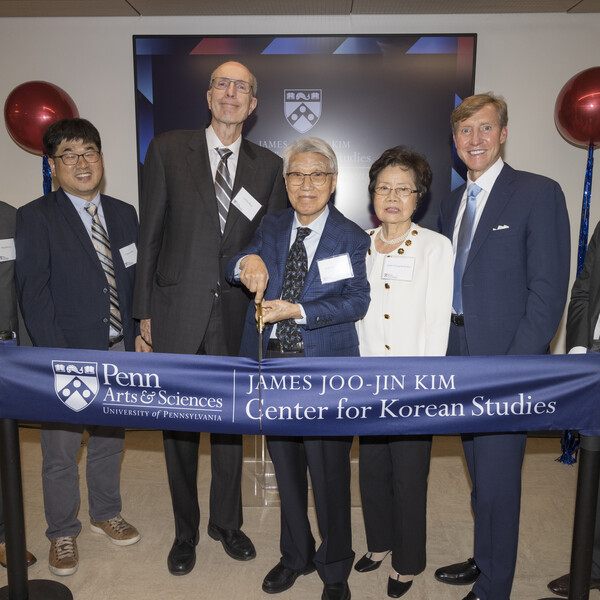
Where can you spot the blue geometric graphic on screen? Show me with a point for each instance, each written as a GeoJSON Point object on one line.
{"type": "Point", "coordinates": [145, 126]}
{"type": "Point", "coordinates": [144, 76]}
{"type": "Point", "coordinates": [359, 45]}
{"type": "Point", "coordinates": [302, 45]}
{"type": "Point", "coordinates": [434, 45]}
{"type": "Point", "coordinates": [151, 46]}
{"type": "Point", "coordinates": [457, 100]}
{"type": "Point", "coordinates": [457, 180]}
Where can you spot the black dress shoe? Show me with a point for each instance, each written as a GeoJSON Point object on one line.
{"type": "Point", "coordinates": [396, 588]}
{"type": "Point", "coordinates": [365, 564]}
{"type": "Point", "coordinates": [235, 542]}
{"type": "Point", "coordinates": [560, 586]}
{"type": "Point", "coordinates": [182, 556]}
{"type": "Point", "coordinates": [336, 591]}
{"type": "Point", "coordinates": [280, 578]}
{"type": "Point", "coordinates": [471, 596]}
{"type": "Point", "coordinates": [464, 573]}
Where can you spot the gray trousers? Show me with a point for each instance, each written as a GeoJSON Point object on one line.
{"type": "Point", "coordinates": [60, 473]}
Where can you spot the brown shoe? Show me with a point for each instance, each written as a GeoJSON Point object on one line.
{"type": "Point", "coordinates": [560, 586]}
{"type": "Point", "coordinates": [31, 559]}
{"type": "Point", "coordinates": [64, 558]}
{"type": "Point", "coordinates": [117, 530]}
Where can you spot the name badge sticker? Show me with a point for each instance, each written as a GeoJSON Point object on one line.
{"type": "Point", "coordinates": [398, 268]}
{"type": "Point", "coordinates": [335, 268]}
{"type": "Point", "coordinates": [245, 202]}
{"type": "Point", "coordinates": [7, 250]}
{"type": "Point", "coordinates": [129, 255]}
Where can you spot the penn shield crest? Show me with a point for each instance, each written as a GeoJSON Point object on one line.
{"type": "Point", "coordinates": [75, 383]}
{"type": "Point", "coordinates": [302, 108]}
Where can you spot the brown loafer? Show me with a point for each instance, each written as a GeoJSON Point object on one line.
{"type": "Point", "coordinates": [31, 559]}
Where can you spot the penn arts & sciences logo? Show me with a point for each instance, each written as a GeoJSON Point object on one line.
{"type": "Point", "coordinates": [302, 108]}
{"type": "Point", "coordinates": [75, 383]}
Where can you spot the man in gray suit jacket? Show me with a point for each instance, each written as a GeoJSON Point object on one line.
{"type": "Point", "coordinates": [204, 193]}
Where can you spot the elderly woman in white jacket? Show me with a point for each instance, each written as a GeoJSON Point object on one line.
{"type": "Point", "coordinates": [410, 270]}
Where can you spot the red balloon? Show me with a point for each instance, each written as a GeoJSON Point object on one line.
{"type": "Point", "coordinates": [577, 109]}
{"type": "Point", "coordinates": [31, 108]}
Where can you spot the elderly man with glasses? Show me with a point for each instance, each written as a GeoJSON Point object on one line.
{"type": "Point", "coordinates": [204, 193]}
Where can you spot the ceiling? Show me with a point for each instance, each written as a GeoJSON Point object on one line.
{"type": "Point", "coordinates": [179, 8]}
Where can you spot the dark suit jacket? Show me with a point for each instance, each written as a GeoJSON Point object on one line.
{"type": "Point", "coordinates": [584, 307]}
{"type": "Point", "coordinates": [62, 288]}
{"type": "Point", "coordinates": [182, 255]}
{"type": "Point", "coordinates": [332, 308]}
{"type": "Point", "coordinates": [517, 273]}
{"type": "Point", "coordinates": [8, 297]}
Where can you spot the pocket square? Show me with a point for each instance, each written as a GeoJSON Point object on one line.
{"type": "Point", "coordinates": [500, 227]}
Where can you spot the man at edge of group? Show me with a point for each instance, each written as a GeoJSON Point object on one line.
{"type": "Point", "coordinates": [204, 193]}
{"type": "Point", "coordinates": [511, 239]}
{"type": "Point", "coordinates": [583, 334]}
{"type": "Point", "coordinates": [8, 318]}
{"type": "Point", "coordinates": [75, 269]}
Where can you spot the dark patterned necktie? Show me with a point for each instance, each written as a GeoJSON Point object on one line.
{"type": "Point", "coordinates": [296, 267]}
{"type": "Point", "coordinates": [223, 187]}
{"type": "Point", "coordinates": [102, 247]}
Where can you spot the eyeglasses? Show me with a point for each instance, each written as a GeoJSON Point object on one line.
{"type": "Point", "coordinates": [223, 83]}
{"type": "Point", "coordinates": [70, 158]}
{"type": "Point", "coordinates": [317, 178]}
{"type": "Point", "coordinates": [402, 192]}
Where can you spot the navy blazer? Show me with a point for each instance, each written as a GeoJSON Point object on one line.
{"type": "Point", "coordinates": [517, 273]}
{"type": "Point", "coordinates": [332, 308]}
{"type": "Point", "coordinates": [62, 287]}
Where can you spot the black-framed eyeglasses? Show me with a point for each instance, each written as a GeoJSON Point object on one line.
{"type": "Point", "coordinates": [402, 192]}
{"type": "Point", "coordinates": [71, 158]}
{"type": "Point", "coordinates": [317, 178]}
{"type": "Point", "coordinates": [223, 83]}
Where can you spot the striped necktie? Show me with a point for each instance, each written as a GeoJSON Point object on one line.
{"type": "Point", "coordinates": [102, 247]}
{"type": "Point", "coordinates": [463, 245]}
{"type": "Point", "coordinates": [223, 187]}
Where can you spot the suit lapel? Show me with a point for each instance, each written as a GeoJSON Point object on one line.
{"type": "Point", "coordinates": [328, 244]}
{"type": "Point", "coordinates": [245, 172]}
{"type": "Point", "coordinates": [76, 226]}
{"type": "Point", "coordinates": [500, 195]}
{"type": "Point", "coordinates": [199, 165]}
{"type": "Point", "coordinates": [282, 240]}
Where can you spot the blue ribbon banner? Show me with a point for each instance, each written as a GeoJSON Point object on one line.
{"type": "Point", "coordinates": [302, 396]}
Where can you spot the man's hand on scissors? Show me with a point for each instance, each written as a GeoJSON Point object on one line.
{"type": "Point", "coordinates": [254, 275]}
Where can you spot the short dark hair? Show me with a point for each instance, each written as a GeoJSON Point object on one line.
{"type": "Point", "coordinates": [405, 158]}
{"type": "Point", "coordinates": [469, 106]}
{"type": "Point", "coordinates": [70, 129]}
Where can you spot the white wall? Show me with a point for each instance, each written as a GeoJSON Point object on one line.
{"type": "Point", "coordinates": [526, 58]}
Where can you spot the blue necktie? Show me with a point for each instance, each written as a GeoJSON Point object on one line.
{"type": "Point", "coordinates": [463, 245]}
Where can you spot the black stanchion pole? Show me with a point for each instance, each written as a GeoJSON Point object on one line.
{"type": "Point", "coordinates": [585, 517]}
{"type": "Point", "coordinates": [14, 522]}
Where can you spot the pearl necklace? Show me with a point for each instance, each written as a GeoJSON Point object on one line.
{"type": "Point", "coordinates": [397, 240]}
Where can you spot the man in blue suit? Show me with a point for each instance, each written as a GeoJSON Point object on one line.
{"type": "Point", "coordinates": [76, 254]}
{"type": "Point", "coordinates": [307, 267]}
{"type": "Point", "coordinates": [510, 232]}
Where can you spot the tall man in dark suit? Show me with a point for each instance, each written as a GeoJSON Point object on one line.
{"type": "Point", "coordinates": [583, 334]}
{"type": "Point", "coordinates": [76, 254]}
{"type": "Point", "coordinates": [8, 317]}
{"type": "Point", "coordinates": [312, 299]}
{"type": "Point", "coordinates": [204, 193]}
{"type": "Point", "coordinates": [510, 232]}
